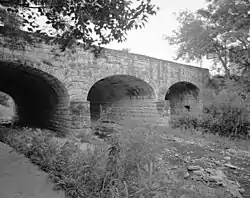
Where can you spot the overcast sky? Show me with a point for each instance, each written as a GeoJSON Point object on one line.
{"type": "Point", "coordinates": [149, 40]}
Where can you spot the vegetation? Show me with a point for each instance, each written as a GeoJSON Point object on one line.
{"type": "Point", "coordinates": [93, 22]}
{"type": "Point", "coordinates": [224, 111]}
{"type": "Point", "coordinates": [124, 165]}
{"type": "Point", "coordinates": [219, 32]}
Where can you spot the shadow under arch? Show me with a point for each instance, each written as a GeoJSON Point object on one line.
{"type": "Point", "coordinates": [41, 99]}
{"type": "Point", "coordinates": [182, 97]}
{"type": "Point", "coordinates": [124, 91]}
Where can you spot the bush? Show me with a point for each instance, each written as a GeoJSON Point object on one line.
{"type": "Point", "coordinates": [229, 114]}
{"type": "Point", "coordinates": [224, 114]}
{"type": "Point", "coordinates": [185, 121]}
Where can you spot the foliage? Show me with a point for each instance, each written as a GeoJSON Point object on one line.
{"type": "Point", "coordinates": [77, 172]}
{"type": "Point", "coordinates": [224, 112]}
{"type": "Point", "coordinates": [140, 147]}
{"type": "Point", "coordinates": [93, 22]}
{"type": "Point", "coordinates": [220, 31]}
{"type": "Point", "coordinates": [12, 35]}
{"type": "Point", "coordinates": [185, 121]}
{"type": "Point", "coordinates": [236, 84]}
{"type": "Point", "coordinates": [4, 98]}
{"type": "Point", "coordinates": [227, 115]}
{"type": "Point", "coordinates": [125, 166]}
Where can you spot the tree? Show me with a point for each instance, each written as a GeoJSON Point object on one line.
{"type": "Point", "coordinates": [219, 31]}
{"type": "Point", "coordinates": [94, 22]}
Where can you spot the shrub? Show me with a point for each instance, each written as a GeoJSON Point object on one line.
{"type": "Point", "coordinates": [229, 114]}
{"type": "Point", "coordinates": [224, 114]}
{"type": "Point", "coordinates": [185, 121]}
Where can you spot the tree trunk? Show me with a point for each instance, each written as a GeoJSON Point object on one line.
{"type": "Point", "coordinates": [224, 63]}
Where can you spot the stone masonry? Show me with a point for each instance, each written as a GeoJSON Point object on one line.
{"type": "Point", "coordinates": [71, 88]}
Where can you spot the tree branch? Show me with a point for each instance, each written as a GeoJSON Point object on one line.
{"type": "Point", "coordinates": [243, 42]}
{"type": "Point", "coordinates": [222, 61]}
{"type": "Point", "coordinates": [25, 6]}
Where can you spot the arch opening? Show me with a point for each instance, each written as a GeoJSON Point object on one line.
{"type": "Point", "coordinates": [41, 99]}
{"type": "Point", "coordinates": [119, 96]}
{"type": "Point", "coordinates": [7, 109]}
{"type": "Point", "coordinates": [182, 97]}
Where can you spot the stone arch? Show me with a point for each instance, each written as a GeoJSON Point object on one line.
{"type": "Point", "coordinates": [41, 99]}
{"type": "Point", "coordinates": [128, 96]}
{"type": "Point", "coordinates": [164, 87]}
{"type": "Point", "coordinates": [104, 75]}
{"type": "Point", "coordinates": [182, 97]}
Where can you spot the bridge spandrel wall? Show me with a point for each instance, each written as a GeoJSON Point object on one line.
{"type": "Point", "coordinates": [78, 70]}
{"type": "Point", "coordinates": [171, 73]}
{"type": "Point", "coordinates": [111, 63]}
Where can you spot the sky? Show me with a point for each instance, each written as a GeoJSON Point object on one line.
{"type": "Point", "coordinates": [149, 40]}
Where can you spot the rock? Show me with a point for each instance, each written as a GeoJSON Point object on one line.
{"type": "Point", "coordinates": [186, 175]}
{"type": "Point", "coordinates": [216, 176]}
{"type": "Point", "coordinates": [194, 168]}
{"type": "Point", "coordinates": [227, 158]}
{"type": "Point", "coordinates": [241, 190]}
{"type": "Point", "coordinates": [174, 167]}
{"type": "Point", "coordinates": [87, 147]}
{"type": "Point", "coordinates": [217, 162]}
{"type": "Point", "coordinates": [213, 178]}
{"type": "Point", "coordinates": [232, 166]}
{"type": "Point", "coordinates": [198, 172]}
{"type": "Point", "coordinates": [235, 172]}
{"type": "Point", "coordinates": [232, 151]}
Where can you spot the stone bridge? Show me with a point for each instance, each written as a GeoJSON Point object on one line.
{"type": "Point", "coordinates": [72, 89]}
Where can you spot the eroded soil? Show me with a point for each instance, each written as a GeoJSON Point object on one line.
{"type": "Point", "coordinates": [216, 167]}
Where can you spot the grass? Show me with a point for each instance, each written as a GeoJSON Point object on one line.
{"type": "Point", "coordinates": [125, 165]}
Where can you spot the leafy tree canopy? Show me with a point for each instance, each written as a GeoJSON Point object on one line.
{"type": "Point", "coordinates": [221, 32]}
{"type": "Point", "coordinates": [94, 22]}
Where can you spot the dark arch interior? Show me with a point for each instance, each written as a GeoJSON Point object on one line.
{"type": "Point", "coordinates": [117, 88]}
{"type": "Point", "coordinates": [182, 96]}
{"type": "Point", "coordinates": [38, 96]}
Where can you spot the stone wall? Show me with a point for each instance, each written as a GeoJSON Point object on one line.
{"type": "Point", "coordinates": [134, 108]}
{"type": "Point", "coordinates": [40, 99]}
{"type": "Point", "coordinates": [187, 103]}
{"type": "Point", "coordinates": [77, 70]}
